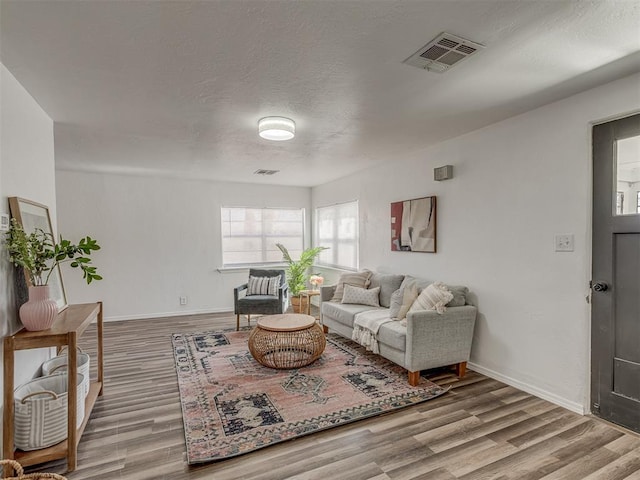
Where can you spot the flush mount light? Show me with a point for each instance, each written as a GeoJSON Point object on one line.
{"type": "Point", "coordinates": [276, 128]}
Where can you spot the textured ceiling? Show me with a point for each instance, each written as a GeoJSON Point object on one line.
{"type": "Point", "coordinates": [176, 88]}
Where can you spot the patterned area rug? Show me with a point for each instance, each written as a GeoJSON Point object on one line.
{"type": "Point", "coordinates": [232, 405]}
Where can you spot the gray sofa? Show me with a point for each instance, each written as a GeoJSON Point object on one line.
{"type": "Point", "coordinates": [428, 340]}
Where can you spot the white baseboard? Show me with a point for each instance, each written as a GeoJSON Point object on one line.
{"type": "Point", "coordinates": [538, 392]}
{"type": "Point", "coordinates": [141, 316]}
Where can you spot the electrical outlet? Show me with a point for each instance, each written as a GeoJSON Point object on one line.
{"type": "Point", "coordinates": [183, 300]}
{"type": "Point", "coordinates": [564, 243]}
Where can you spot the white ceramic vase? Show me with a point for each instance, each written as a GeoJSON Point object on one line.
{"type": "Point", "coordinates": [40, 311]}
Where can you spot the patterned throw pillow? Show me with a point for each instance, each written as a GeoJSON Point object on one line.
{"type": "Point", "coordinates": [359, 279]}
{"type": "Point", "coordinates": [263, 285]}
{"type": "Point", "coordinates": [434, 297]}
{"type": "Point", "coordinates": [361, 296]}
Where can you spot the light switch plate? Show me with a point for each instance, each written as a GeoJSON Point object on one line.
{"type": "Point", "coordinates": [4, 222]}
{"type": "Point", "coordinates": [564, 243]}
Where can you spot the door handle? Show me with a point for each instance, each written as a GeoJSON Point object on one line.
{"type": "Point", "coordinates": [600, 287]}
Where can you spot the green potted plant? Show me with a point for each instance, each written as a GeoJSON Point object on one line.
{"type": "Point", "coordinates": [38, 255]}
{"type": "Point", "coordinates": [297, 272]}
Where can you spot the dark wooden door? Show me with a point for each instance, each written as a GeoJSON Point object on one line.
{"type": "Point", "coordinates": [615, 307]}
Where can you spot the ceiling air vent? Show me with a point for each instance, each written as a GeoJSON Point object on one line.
{"type": "Point", "coordinates": [443, 52]}
{"type": "Point", "coordinates": [265, 172]}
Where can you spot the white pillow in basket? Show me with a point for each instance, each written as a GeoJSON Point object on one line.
{"type": "Point", "coordinates": [263, 285]}
{"type": "Point", "coordinates": [434, 297]}
{"type": "Point", "coordinates": [361, 296]}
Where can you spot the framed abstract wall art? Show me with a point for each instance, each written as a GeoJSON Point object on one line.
{"type": "Point", "coordinates": [413, 225]}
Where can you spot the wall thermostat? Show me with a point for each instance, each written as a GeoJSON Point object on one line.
{"type": "Point", "coordinates": [443, 173]}
{"type": "Point", "coordinates": [4, 222]}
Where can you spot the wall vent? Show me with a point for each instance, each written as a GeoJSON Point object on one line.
{"type": "Point", "coordinates": [443, 173]}
{"type": "Point", "coordinates": [265, 172]}
{"type": "Point", "coordinates": [443, 52]}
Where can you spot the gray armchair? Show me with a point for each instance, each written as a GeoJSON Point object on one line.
{"type": "Point", "coordinates": [260, 304]}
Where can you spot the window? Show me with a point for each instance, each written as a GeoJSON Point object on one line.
{"type": "Point", "coordinates": [249, 235]}
{"type": "Point", "coordinates": [337, 228]}
{"type": "Point", "coordinates": [619, 203]}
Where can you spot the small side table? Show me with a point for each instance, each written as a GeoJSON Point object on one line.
{"type": "Point", "coordinates": [308, 294]}
{"type": "Point", "coordinates": [288, 340]}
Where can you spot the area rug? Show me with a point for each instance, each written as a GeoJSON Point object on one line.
{"type": "Point", "coordinates": [232, 405]}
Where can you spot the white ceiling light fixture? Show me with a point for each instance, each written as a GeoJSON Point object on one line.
{"type": "Point", "coordinates": [276, 128]}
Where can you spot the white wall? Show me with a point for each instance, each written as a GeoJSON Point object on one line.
{"type": "Point", "coordinates": [516, 184]}
{"type": "Point", "coordinates": [160, 239]}
{"type": "Point", "coordinates": [26, 170]}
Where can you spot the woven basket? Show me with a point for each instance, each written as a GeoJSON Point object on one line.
{"type": "Point", "coordinates": [21, 475]}
{"type": "Point", "coordinates": [58, 365]}
{"type": "Point", "coordinates": [41, 407]}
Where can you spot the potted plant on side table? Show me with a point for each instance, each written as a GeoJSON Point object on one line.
{"type": "Point", "coordinates": [297, 272]}
{"type": "Point", "coordinates": [39, 255]}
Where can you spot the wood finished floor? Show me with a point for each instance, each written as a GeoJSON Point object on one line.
{"type": "Point", "coordinates": [481, 429]}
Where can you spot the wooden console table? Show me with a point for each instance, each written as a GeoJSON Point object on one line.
{"type": "Point", "coordinates": [67, 328]}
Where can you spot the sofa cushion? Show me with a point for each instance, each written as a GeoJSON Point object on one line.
{"type": "Point", "coordinates": [459, 295]}
{"type": "Point", "coordinates": [434, 297]}
{"type": "Point", "coordinates": [459, 292]}
{"type": "Point", "coordinates": [264, 304]}
{"type": "Point", "coordinates": [419, 283]}
{"type": "Point", "coordinates": [344, 312]}
{"type": "Point", "coordinates": [388, 284]}
{"type": "Point", "coordinates": [361, 296]}
{"type": "Point", "coordinates": [393, 334]}
{"type": "Point", "coordinates": [402, 301]}
{"type": "Point", "coordinates": [355, 279]}
{"type": "Point", "coordinates": [396, 303]}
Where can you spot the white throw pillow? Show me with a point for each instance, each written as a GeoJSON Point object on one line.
{"type": "Point", "coordinates": [263, 285]}
{"type": "Point", "coordinates": [434, 297]}
{"type": "Point", "coordinates": [361, 296]}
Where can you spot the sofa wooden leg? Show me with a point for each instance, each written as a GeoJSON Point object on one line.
{"type": "Point", "coordinates": [414, 378]}
{"type": "Point", "coordinates": [325, 329]}
{"type": "Point", "coordinates": [248, 320]}
{"type": "Point", "coordinates": [461, 369]}
{"type": "Point", "coordinates": [237, 322]}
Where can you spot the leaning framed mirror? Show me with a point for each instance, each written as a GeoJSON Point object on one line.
{"type": "Point", "coordinates": [32, 215]}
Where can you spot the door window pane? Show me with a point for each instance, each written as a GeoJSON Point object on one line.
{"type": "Point", "coordinates": [619, 202]}
{"type": "Point", "coordinates": [627, 176]}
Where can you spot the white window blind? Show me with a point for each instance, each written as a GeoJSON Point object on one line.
{"type": "Point", "coordinates": [337, 228]}
{"type": "Point", "coordinates": [249, 235]}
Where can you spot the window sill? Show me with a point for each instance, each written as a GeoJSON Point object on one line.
{"type": "Point", "coordinates": [245, 268]}
{"type": "Point", "coordinates": [336, 269]}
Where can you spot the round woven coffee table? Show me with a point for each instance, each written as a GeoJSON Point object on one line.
{"type": "Point", "coordinates": [290, 340]}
